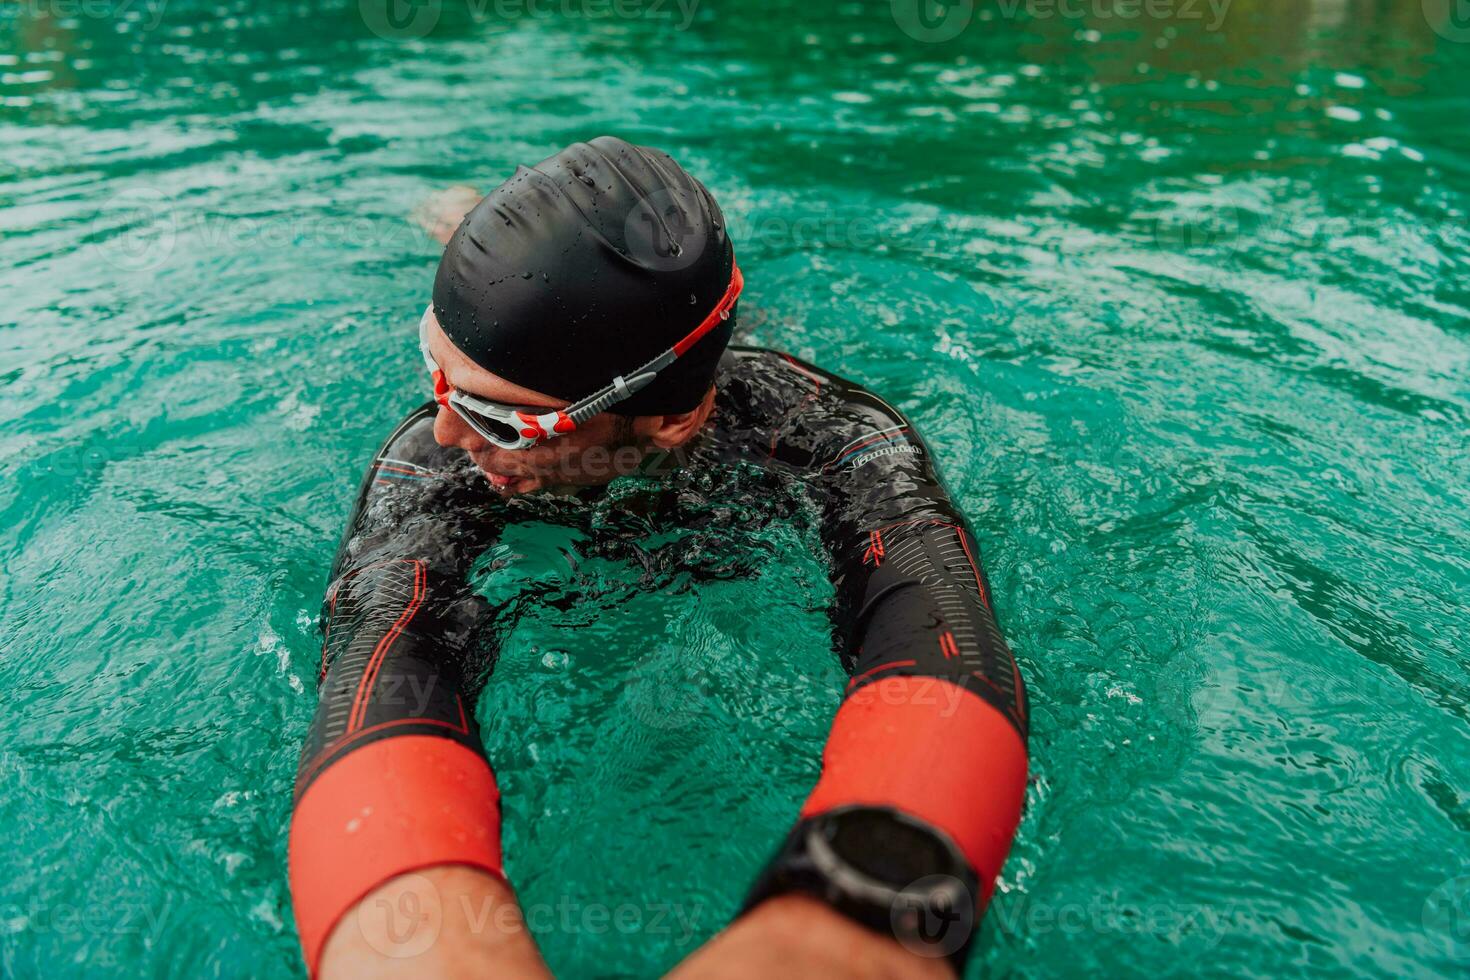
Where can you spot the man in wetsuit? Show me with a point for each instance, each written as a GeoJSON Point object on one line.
{"type": "Point", "coordinates": [578, 332]}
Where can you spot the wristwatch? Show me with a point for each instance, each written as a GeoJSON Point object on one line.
{"type": "Point", "coordinates": [884, 869]}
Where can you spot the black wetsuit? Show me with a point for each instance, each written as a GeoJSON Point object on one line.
{"type": "Point", "coordinates": [408, 641]}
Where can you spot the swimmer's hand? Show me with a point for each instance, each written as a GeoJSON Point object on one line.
{"type": "Point", "coordinates": [441, 212]}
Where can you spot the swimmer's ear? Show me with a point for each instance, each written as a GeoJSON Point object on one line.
{"type": "Point", "coordinates": [673, 431]}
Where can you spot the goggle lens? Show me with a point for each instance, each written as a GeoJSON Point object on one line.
{"type": "Point", "coordinates": [493, 429]}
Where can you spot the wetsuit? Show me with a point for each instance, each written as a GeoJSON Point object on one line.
{"type": "Point", "coordinates": [393, 777]}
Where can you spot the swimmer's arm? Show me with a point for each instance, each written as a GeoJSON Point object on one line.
{"type": "Point", "coordinates": [911, 590]}
{"type": "Point", "coordinates": [933, 721]}
{"type": "Point", "coordinates": [395, 848]}
{"type": "Point", "coordinates": [438, 902]}
{"type": "Point", "coordinates": [448, 921]}
{"type": "Point", "coordinates": [795, 935]}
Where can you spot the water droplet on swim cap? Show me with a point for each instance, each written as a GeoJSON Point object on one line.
{"type": "Point", "coordinates": [623, 250]}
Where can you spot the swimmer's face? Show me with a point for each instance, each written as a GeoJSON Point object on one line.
{"type": "Point", "coordinates": [604, 447]}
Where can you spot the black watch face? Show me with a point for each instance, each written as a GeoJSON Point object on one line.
{"type": "Point", "coordinates": [899, 876]}
{"type": "Point", "coordinates": [883, 845]}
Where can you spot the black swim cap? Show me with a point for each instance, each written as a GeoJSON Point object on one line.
{"type": "Point", "coordinates": [585, 267]}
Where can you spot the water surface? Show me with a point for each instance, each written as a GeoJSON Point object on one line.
{"type": "Point", "coordinates": [1181, 305]}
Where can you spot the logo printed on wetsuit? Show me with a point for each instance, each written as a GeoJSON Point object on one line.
{"type": "Point", "coordinates": [874, 445]}
{"type": "Point", "coordinates": [906, 450]}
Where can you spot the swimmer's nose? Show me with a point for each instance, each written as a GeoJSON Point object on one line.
{"type": "Point", "coordinates": [450, 431]}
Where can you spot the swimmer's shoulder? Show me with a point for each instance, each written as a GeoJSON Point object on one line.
{"type": "Point", "coordinates": [408, 458]}
{"type": "Point", "coordinates": [796, 409]}
{"type": "Point", "coordinates": [412, 444]}
{"type": "Point", "coordinates": [744, 366]}
{"type": "Point", "coordinates": [766, 375]}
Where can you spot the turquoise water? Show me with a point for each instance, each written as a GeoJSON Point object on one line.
{"type": "Point", "coordinates": [1181, 302]}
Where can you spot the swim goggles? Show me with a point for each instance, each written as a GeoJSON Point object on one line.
{"type": "Point", "coordinates": [522, 426]}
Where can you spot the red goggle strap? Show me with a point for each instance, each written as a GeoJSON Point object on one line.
{"type": "Point", "coordinates": [719, 313]}
{"type": "Point", "coordinates": [625, 386]}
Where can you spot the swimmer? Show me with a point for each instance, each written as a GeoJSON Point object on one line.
{"type": "Point", "coordinates": [580, 330]}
